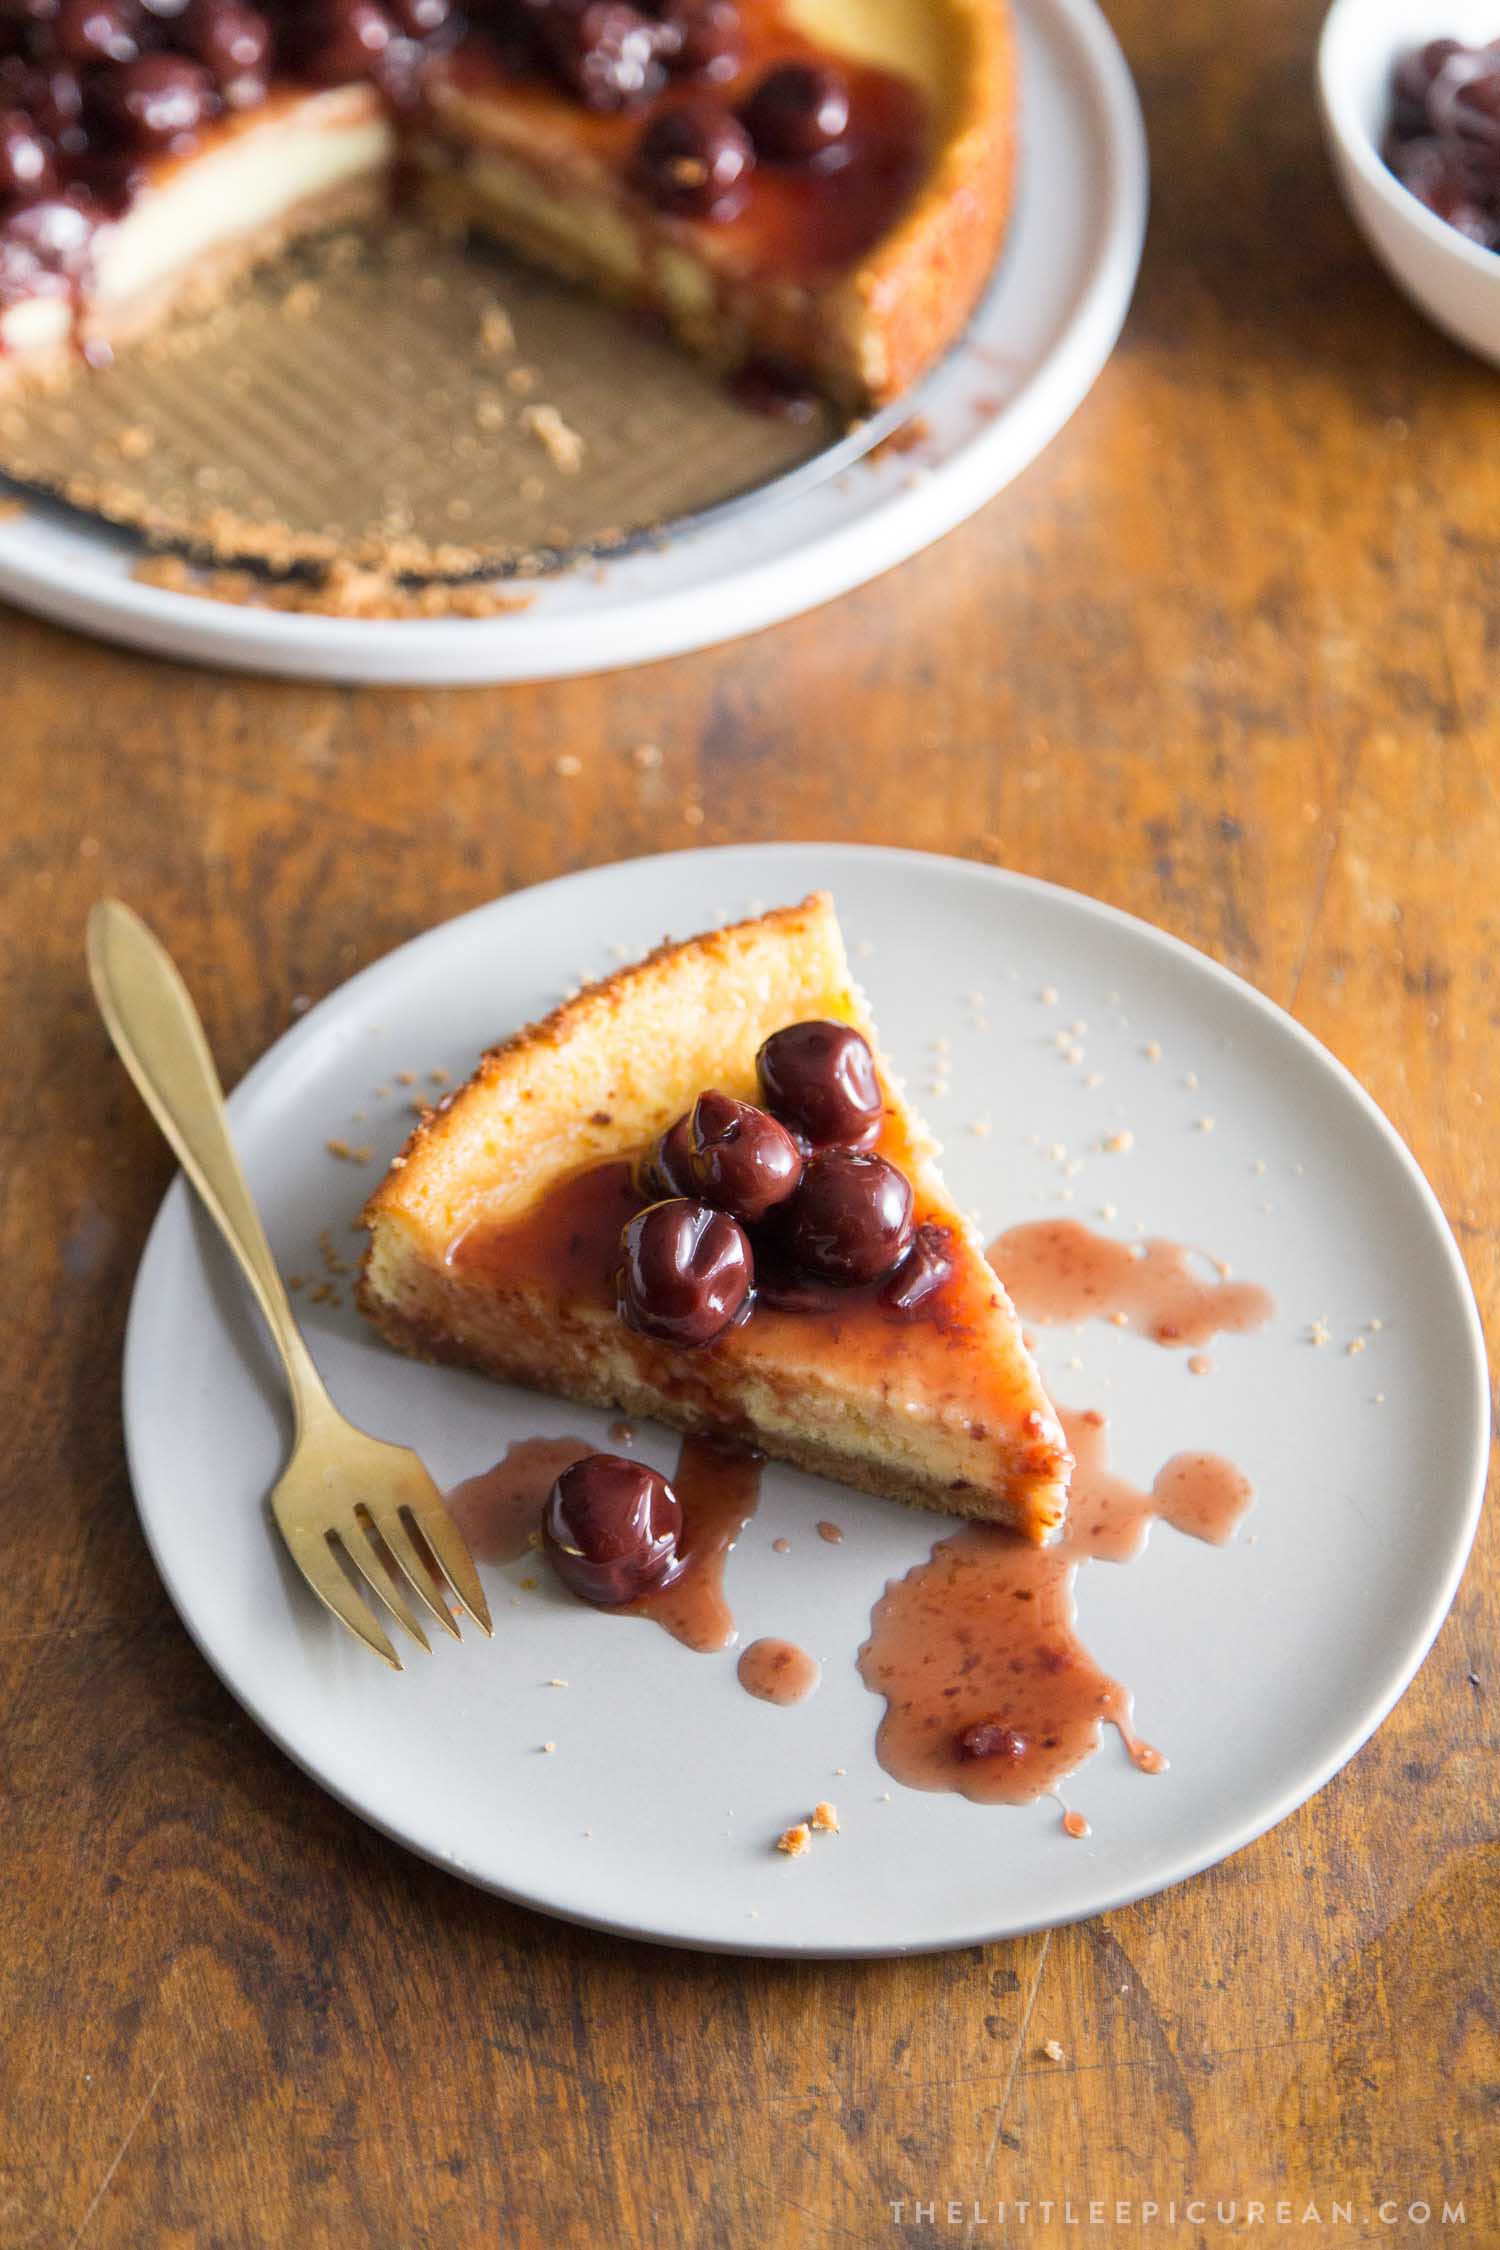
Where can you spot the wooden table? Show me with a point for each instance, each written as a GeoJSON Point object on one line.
{"type": "Point", "coordinates": [1225, 656]}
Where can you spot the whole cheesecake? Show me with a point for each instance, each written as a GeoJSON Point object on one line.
{"type": "Point", "coordinates": [809, 192]}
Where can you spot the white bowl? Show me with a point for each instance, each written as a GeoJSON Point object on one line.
{"type": "Point", "coordinates": [1452, 280]}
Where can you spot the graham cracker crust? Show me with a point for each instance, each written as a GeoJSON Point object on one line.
{"type": "Point", "coordinates": [379, 408]}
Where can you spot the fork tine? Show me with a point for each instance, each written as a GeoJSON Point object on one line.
{"type": "Point", "coordinates": [453, 1559]}
{"type": "Point", "coordinates": [359, 1552]}
{"type": "Point", "coordinates": [313, 1556]}
{"type": "Point", "coordinates": [390, 1527]}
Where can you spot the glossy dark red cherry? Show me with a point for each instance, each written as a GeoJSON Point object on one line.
{"type": "Point", "coordinates": [88, 32]}
{"type": "Point", "coordinates": [819, 1078]}
{"type": "Point", "coordinates": [1475, 113]}
{"type": "Point", "coordinates": [1444, 137]}
{"type": "Point", "coordinates": [25, 160]}
{"type": "Point", "coordinates": [739, 1158]}
{"type": "Point", "coordinates": [1438, 176]}
{"type": "Point", "coordinates": [664, 1170]}
{"type": "Point", "coordinates": [55, 101]}
{"type": "Point", "coordinates": [921, 1273]}
{"type": "Point", "coordinates": [419, 19]}
{"type": "Point", "coordinates": [348, 39]}
{"type": "Point", "coordinates": [1412, 82]}
{"type": "Point", "coordinates": [686, 1273]}
{"type": "Point", "coordinates": [704, 38]}
{"type": "Point", "coordinates": [798, 111]}
{"type": "Point", "coordinates": [233, 43]}
{"type": "Point", "coordinates": [23, 18]}
{"type": "Point", "coordinates": [695, 159]}
{"type": "Point", "coordinates": [606, 52]}
{"type": "Point", "coordinates": [157, 102]}
{"type": "Point", "coordinates": [611, 1529]}
{"type": "Point", "coordinates": [850, 1221]}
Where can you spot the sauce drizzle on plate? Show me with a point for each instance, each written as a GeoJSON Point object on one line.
{"type": "Point", "coordinates": [989, 1690]}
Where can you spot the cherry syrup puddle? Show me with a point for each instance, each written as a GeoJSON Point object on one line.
{"type": "Point", "coordinates": [989, 1691]}
{"type": "Point", "coordinates": [1058, 1270]}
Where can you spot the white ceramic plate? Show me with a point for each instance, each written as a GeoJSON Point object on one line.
{"type": "Point", "coordinates": [1258, 1668]}
{"type": "Point", "coordinates": [1033, 351]}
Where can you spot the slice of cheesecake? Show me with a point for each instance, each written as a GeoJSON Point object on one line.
{"type": "Point", "coordinates": [495, 1239]}
{"type": "Point", "coordinates": [817, 188]}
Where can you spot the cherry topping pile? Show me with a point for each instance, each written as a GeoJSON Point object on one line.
{"type": "Point", "coordinates": [611, 1529]}
{"type": "Point", "coordinates": [786, 1202]}
{"type": "Point", "coordinates": [1444, 137]}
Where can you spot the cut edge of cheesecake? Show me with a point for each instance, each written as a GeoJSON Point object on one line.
{"type": "Point", "coordinates": [259, 183]}
{"type": "Point", "coordinates": [598, 1079]}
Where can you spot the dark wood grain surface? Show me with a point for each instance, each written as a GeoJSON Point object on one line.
{"type": "Point", "coordinates": [1225, 656]}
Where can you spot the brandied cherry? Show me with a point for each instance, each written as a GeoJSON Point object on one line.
{"type": "Point", "coordinates": [18, 18]}
{"type": "Point", "coordinates": [514, 28]}
{"type": "Point", "coordinates": [1412, 82]}
{"type": "Point", "coordinates": [1444, 137]}
{"type": "Point", "coordinates": [25, 160]}
{"type": "Point", "coordinates": [797, 112]}
{"type": "Point", "coordinates": [234, 43]}
{"type": "Point", "coordinates": [819, 1078]}
{"type": "Point", "coordinates": [1475, 114]}
{"type": "Point", "coordinates": [695, 159]}
{"type": "Point", "coordinates": [664, 1169]}
{"type": "Point", "coordinates": [850, 1221]}
{"type": "Point", "coordinates": [56, 104]}
{"type": "Point", "coordinates": [611, 1528]}
{"type": "Point", "coordinates": [420, 18]}
{"type": "Point", "coordinates": [157, 101]}
{"type": "Point", "coordinates": [604, 51]}
{"type": "Point", "coordinates": [991, 1738]}
{"type": "Point", "coordinates": [686, 1274]}
{"type": "Point", "coordinates": [96, 31]}
{"type": "Point", "coordinates": [349, 39]}
{"type": "Point", "coordinates": [703, 38]}
{"type": "Point", "coordinates": [921, 1273]}
{"type": "Point", "coordinates": [739, 1158]}
{"type": "Point", "coordinates": [1437, 176]}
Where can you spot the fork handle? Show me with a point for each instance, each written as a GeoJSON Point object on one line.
{"type": "Point", "coordinates": [157, 1031]}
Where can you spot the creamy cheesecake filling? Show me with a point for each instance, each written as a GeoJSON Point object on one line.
{"type": "Point", "coordinates": [256, 184]}
{"type": "Point", "coordinates": [267, 166]}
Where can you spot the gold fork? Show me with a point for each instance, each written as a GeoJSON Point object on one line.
{"type": "Point", "coordinates": [345, 1497]}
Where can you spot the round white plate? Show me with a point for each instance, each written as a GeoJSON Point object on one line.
{"type": "Point", "coordinates": [1033, 351]}
{"type": "Point", "coordinates": [1258, 1668]}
